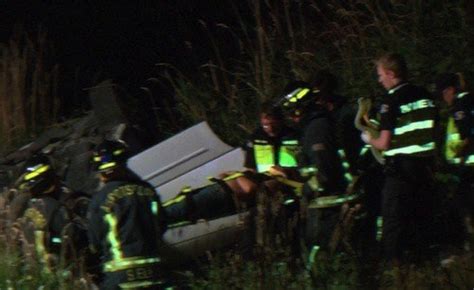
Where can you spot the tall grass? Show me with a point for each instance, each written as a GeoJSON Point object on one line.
{"type": "Point", "coordinates": [28, 88]}
{"type": "Point", "coordinates": [287, 40]}
{"type": "Point", "coordinates": [21, 269]}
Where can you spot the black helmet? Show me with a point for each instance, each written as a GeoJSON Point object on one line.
{"type": "Point", "coordinates": [38, 174]}
{"type": "Point", "coordinates": [297, 98]}
{"type": "Point", "coordinates": [446, 80]}
{"type": "Point", "coordinates": [296, 94]}
{"type": "Point", "coordinates": [109, 155]}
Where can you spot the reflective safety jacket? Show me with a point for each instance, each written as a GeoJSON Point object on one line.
{"type": "Point", "coordinates": [459, 128]}
{"type": "Point", "coordinates": [126, 224]}
{"type": "Point", "coordinates": [263, 151]}
{"type": "Point", "coordinates": [410, 114]}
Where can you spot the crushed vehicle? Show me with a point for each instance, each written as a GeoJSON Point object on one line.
{"type": "Point", "coordinates": [169, 166]}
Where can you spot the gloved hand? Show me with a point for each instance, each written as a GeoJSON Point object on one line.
{"type": "Point", "coordinates": [365, 136]}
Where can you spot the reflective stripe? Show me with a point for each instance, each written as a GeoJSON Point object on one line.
{"type": "Point", "coordinates": [56, 240]}
{"type": "Point", "coordinates": [127, 263]}
{"type": "Point", "coordinates": [453, 137]}
{"type": "Point", "coordinates": [331, 201]}
{"type": "Point", "coordinates": [312, 256]}
{"type": "Point", "coordinates": [233, 176]}
{"type": "Point", "coordinates": [453, 142]}
{"type": "Point", "coordinates": [107, 165]}
{"type": "Point", "coordinates": [348, 177]}
{"type": "Point", "coordinates": [314, 184]}
{"type": "Point", "coordinates": [417, 105]}
{"type": "Point", "coordinates": [411, 149]}
{"type": "Point", "coordinates": [287, 157]}
{"type": "Point", "coordinates": [112, 237]}
{"type": "Point", "coordinates": [154, 207]}
{"type": "Point", "coordinates": [290, 142]}
{"type": "Point", "coordinates": [138, 284]}
{"type": "Point", "coordinates": [379, 223]}
{"type": "Point", "coordinates": [179, 224]}
{"type": "Point", "coordinates": [296, 95]}
{"type": "Point", "coordinates": [364, 149]}
{"type": "Point", "coordinates": [289, 201]}
{"type": "Point", "coordinates": [177, 199]}
{"type": "Point", "coordinates": [459, 96]}
{"type": "Point", "coordinates": [345, 165]}
{"type": "Point", "coordinates": [305, 171]}
{"type": "Point", "coordinates": [469, 160]}
{"type": "Point", "coordinates": [36, 171]}
{"type": "Point", "coordinates": [40, 247]}
{"type": "Point", "coordinates": [263, 157]}
{"type": "Point", "coordinates": [396, 88]}
{"type": "Point", "coordinates": [414, 126]}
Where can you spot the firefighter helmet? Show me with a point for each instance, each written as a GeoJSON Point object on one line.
{"type": "Point", "coordinates": [38, 174]}
{"type": "Point", "coordinates": [298, 96]}
{"type": "Point", "coordinates": [109, 155]}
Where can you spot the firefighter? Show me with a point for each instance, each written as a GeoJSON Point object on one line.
{"type": "Point", "coordinates": [273, 143]}
{"type": "Point", "coordinates": [126, 223]}
{"type": "Point", "coordinates": [360, 177]}
{"type": "Point", "coordinates": [51, 212]}
{"type": "Point", "coordinates": [459, 143]}
{"type": "Point", "coordinates": [343, 114]}
{"type": "Point", "coordinates": [407, 133]}
{"type": "Point", "coordinates": [320, 162]}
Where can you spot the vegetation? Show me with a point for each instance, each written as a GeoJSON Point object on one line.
{"type": "Point", "coordinates": [28, 89]}
{"type": "Point", "coordinates": [287, 40]}
{"type": "Point", "coordinates": [281, 41]}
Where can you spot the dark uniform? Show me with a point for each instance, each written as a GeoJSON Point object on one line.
{"type": "Point", "coordinates": [209, 202]}
{"type": "Point", "coordinates": [460, 127]}
{"type": "Point", "coordinates": [47, 218]}
{"type": "Point", "coordinates": [347, 135]}
{"type": "Point", "coordinates": [263, 151]}
{"type": "Point", "coordinates": [51, 212]}
{"type": "Point", "coordinates": [320, 153]}
{"type": "Point", "coordinates": [125, 230]}
{"type": "Point", "coordinates": [410, 114]}
{"type": "Point", "coordinates": [125, 223]}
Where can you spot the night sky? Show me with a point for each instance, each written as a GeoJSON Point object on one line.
{"type": "Point", "coordinates": [94, 40]}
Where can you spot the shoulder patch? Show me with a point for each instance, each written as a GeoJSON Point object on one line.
{"type": "Point", "coordinates": [459, 115]}
{"type": "Point", "coordinates": [384, 108]}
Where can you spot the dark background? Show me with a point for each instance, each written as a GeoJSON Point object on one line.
{"type": "Point", "coordinates": [96, 40]}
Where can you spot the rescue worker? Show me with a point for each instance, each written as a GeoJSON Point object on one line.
{"type": "Point", "coordinates": [320, 162]}
{"type": "Point", "coordinates": [356, 172]}
{"type": "Point", "coordinates": [273, 143]}
{"type": "Point", "coordinates": [407, 132]}
{"type": "Point", "coordinates": [343, 114]}
{"type": "Point", "coordinates": [459, 146]}
{"type": "Point", "coordinates": [51, 212]}
{"type": "Point", "coordinates": [126, 223]}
